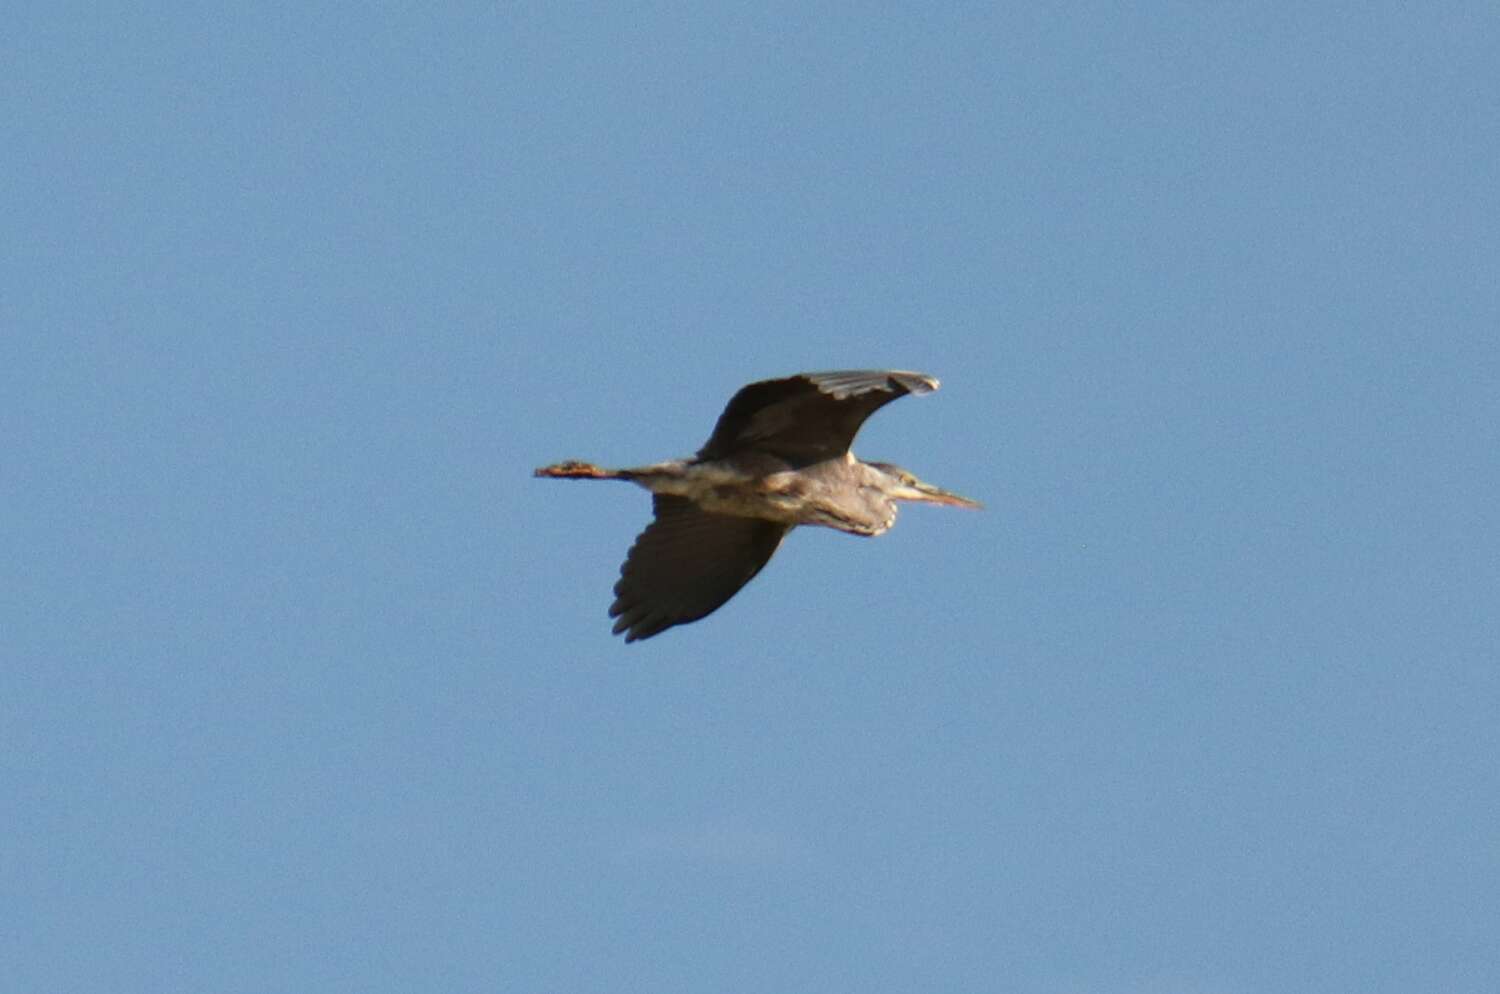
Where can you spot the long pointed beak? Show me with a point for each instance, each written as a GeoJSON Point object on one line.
{"type": "Point", "coordinates": [928, 494]}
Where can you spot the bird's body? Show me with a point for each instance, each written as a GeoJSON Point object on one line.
{"type": "Point", "coordinates": [779, 457]}
{"type": "Point", "coordinates": [838, 493]}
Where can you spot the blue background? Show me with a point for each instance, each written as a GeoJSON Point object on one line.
{"type": "Point", "coordinates": [308, 686]}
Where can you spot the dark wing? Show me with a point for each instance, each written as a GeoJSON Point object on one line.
{"type": "Point", "coordinates": [686, 564]}
{"type": "Point", "coordinates": [808, 417]}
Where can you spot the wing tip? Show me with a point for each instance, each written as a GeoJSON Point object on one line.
{"type": "Point", "coordinates": [635, 621]}
{"type": "Point", "coordinates": [916, 382]}
{"type": "Point", "coordinates": [850, 382]}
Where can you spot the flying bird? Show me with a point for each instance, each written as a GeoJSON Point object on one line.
{"type": "Point", "coordinates": [778, 458]}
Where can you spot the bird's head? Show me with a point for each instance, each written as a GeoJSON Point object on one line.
{"type": "Point", "coordinates": [901, 484]}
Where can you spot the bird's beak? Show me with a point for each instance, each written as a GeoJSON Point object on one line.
{"type": "Point", "coordinates": [928, 494]}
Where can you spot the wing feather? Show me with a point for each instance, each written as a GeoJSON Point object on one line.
{"type": "Point", "coordinates": [686, 564]}
{"type": "Point", "coordinates": [809, 417]}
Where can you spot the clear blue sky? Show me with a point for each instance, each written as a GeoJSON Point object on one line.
{"type": "Point", "coordinates": [308, 686]}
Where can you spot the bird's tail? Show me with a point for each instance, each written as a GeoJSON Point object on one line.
{"type": "Point", "coordinates": [573, 469]}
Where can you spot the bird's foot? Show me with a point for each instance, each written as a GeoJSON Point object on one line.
{"type": "Point", "coordinates": [574, 469]}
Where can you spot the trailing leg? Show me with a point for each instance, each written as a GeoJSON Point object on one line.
{"type": "Point", "coordinates": [573, 469]}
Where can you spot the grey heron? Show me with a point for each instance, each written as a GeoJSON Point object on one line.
{"type": "Point", "coordinates": [779, 457]}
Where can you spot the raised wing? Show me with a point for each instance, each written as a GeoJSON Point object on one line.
{"type": "Point", "coordinates": [808, 417]}
{"type": "Point", "coordinates": [686, 564]}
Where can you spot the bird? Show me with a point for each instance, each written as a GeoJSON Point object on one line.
{"type": "Point", "coordinates": [779, 457]}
